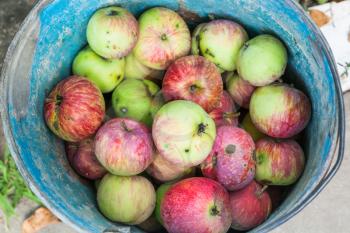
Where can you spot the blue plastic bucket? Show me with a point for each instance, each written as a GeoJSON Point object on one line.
{"type": "Point", "coordinates": [53, 33]}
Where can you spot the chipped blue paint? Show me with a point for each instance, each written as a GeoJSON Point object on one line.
{"type": "Point", "coordinates": [53, 33]}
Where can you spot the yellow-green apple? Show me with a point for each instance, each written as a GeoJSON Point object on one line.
{"type": "Point", "coordinates": [262, 60]}
{"type": "Point", "coordinates": [278, 162]}
{"type": "Point", "coordinates": [124, 146]}
{"type": "Point", "coordinates": [74, 109]}
{"type": "Point", "coordinates": [162, 189]}
{"type": "Point", "coordinates": [183, 133]}
{"type": "Point", "coordinates": [112, 32]}
{"type": "Point", "coordinates": [105, 73]}
{"type": "Point", "coordinates": [279, 110]}
{"type": "Point", "coordinates": [133, 98]}
{"type": "Point", "coordinates": [220, 41]}
{"type": "Point", "coordinates": [240, 90]}
{"type": "Point", "coordinates": [250, 206]}
{"type": "Point", "coordinates": [195, 39]}
{"type": "Point", "coordinates": [249, 127]}
{"type": "Point", "coordinates": [126, 199]}
{"type": "Point", "coordinates": [135, 69]}
{"type": "Point", "coordinates": [82, 158]}
{"type": "Point", "coordinates": [196, 204]}
{"type": "Point", "coordinates": [225, 113]}
{"type": "Point", "coordinates": [231, 160]}
{"type": "Point", "coordinates": [163, 170]}
{"type": "Point", "coordinates": [193, 78]}
{"type": "Point", "coordinates": [164, 37]}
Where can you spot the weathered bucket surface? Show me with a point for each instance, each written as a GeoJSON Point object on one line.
{"type": "Point", "coordinates": [53, 33]}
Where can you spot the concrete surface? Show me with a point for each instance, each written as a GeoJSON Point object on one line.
{"type": "Point", "coordinates": [328, 213]}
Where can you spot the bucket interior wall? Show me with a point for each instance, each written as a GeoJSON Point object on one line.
{"type": "Point", "coordinates": [56, 33]}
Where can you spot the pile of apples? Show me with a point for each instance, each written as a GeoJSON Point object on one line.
{"type": "Point", "coordinates": [173, 119]}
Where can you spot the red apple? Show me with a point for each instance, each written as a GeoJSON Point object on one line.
{"type": "Point", "coordinates": [83, 159]}
{"type": "Point", "coordinates": [279, 110]}
{"type": "Point", "coordinates": [231, 160]}
{"type": "Point", "coordinates": [225, 113]}
{"type": "Point", "coordinates": [278, 162]}
{"type": "Point", "coordinates": [196, 79]}
{"type": "Point", "coordinates": [239, 89]}
{"type": "Point", "coordinates": [196, 204]}
{"type": "Point", "coordinates": [71, 148]}
{"type": "Point", "coordinates": [249, 206]}
{"type": "Point", "coordinates": [124, 146]}
{"type": "Point", "coordinates": [164, 37]}
{"type": "Point", "coordinates": [74, 109]}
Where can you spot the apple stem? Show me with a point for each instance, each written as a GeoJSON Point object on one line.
{"type": "Point", "coordinates": [125, 127]}
{"type": "Point", "coordinates": [262, 190]}
{"type": "Point", "coordinates": [230, 115]}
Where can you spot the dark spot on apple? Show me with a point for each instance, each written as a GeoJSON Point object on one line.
{"type": "Point", "coordinates": [245, 165]}
{"type": "Point", "coordinates": [59, 100]}
{"type": "Point", "coordinates": [207, 51]}
{"type": "Point", "coordinates": [214, 211]}
{"type": "Point", "coordinates": [230, 149]}
{"type": "Point", "coordinates": [55, 125]}
{"type": "Point", "coordinates": [187, 150]}
{"type": "Point", "coordinates": [260, 158]}
{"type": "Point", "coordinates": [107, 32]}
{"type": "Point", "coordinates": [214, 159]}
{"type": "Point", "coordinates": [123, 110]}
{"type": "Point", "coordinates": [119, 77]}
{"type": "Point", "coordinates": [177, 25]}
{"type": "Point", "coordinates": [112, 13]}
{"type": "Point", "coordinates": [107, 46]}
{"type": "Point", "coordinates": [163, 37]}
{"type": "Point", "coordinates": [245, 46]}
{"type": "Point", "coordinates": [254, 156]}
{"type": "Point", "coordinates": [201, 128]}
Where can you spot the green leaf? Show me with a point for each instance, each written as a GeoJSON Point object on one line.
{"type": "Point", "coordinates": [6, 208]}
{"type": "Point", "coordinates": [12, 186]}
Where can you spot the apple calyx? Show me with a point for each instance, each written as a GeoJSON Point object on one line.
{"type": "Point", "coordinates": [214, 210]}
{"type": "Point", "coordinates": [201, 129]}
{"type": "Point", "coordinates": [112, 13]}
{"type": "Point", "coordinates": [163, 37]}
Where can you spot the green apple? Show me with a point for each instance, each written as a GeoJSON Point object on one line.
{"type": "Point", "coordinates": [159, 197]}
{"type": "Point", "coordinates": [135, 69]}
{"type": "Point", "coordinates": [134, 98]}
{"type": "Point", "coordinates": [248, 126]}
{"type": "Point", "coordinates": [183, 133]}
{"type": "Point", "coordinates": [262, 60]}
{"type": "Point", "coordinates": [195, 39]}
{"type": "Point", "coordinates": [105, 73]}
{"type": "Point", "coordinates": [220, 42]}
{"type": "Point", "coordinates": [126, 199]}
{"type": "Point", "coordinates": [112, 32]}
